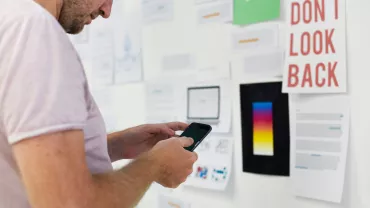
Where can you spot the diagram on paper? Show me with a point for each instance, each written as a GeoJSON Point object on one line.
{"type": "Point", "coordinates": [219, 174]}
{"type": "Point", "coordinates": [128, 45]}
{"type": "Point", "coordinates": [204, 146]}
{"type": "Point", "coordinates": [130, 58]}
{"type": "Point", "coordinates": [213, 168]}
{"type": "Point", "coordinates": [222, 146]}
{"type": "Point", "coordinates": [202, 172]}
{"type": "Point", "coordinates": [129, 63]}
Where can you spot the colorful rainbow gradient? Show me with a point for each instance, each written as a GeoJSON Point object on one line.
{"type": "Point", "coordinates": [263, 138]}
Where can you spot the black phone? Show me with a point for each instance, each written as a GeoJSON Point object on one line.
{"type": "Point", "coordinates": [197, 132]}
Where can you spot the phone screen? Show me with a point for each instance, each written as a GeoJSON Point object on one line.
{"type": "Point", "coordinates": [197, 132]}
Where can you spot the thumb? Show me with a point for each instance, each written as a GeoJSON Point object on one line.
{"type": "Point", "coordinates": [186, 141]}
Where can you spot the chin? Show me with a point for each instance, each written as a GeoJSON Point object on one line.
{"type": "Point", "coordinates": [75, 30]}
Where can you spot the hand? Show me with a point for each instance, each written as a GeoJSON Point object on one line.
{"type": "Point", "coordinates": [134, 141]}
{"type": "Point", "coordinates": [175, 162]}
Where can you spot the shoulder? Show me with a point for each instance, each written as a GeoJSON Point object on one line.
{"type": "Point", "coordinates": [27, 28]}
{"type": "Point", "coordinates": [18, 11]}
{"type": "Point", "coordinates": [26, 18]}
{"type": "Point", "coordinates": [36, 48]}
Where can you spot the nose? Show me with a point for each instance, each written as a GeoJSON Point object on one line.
{"type": "Point", "coordinates": [106, 9]}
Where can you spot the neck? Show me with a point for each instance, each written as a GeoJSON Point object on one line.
{"type": "Point", "coordinates": [52, 6]}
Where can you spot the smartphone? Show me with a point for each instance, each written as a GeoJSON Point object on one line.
{"type": "Point", "coordinates": [197, 132]}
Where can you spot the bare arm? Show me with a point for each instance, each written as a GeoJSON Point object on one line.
{"type": "Point", "coordinates": [130, 143]}
{"type": "Point", "coordinates": [55, 174]}
{"type": "Point", "coordinates": [54, 170]}
{"type": "Point", "coordinates": [115, 146]}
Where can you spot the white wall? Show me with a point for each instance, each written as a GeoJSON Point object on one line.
{"type": "Point", "coordinates": [249, 190]}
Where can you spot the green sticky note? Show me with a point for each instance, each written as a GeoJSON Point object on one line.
{"type": "Point", "coordinates": [254, 11]}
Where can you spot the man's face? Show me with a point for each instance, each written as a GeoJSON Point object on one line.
{"type": "Point", "coordinates": [75, 14]}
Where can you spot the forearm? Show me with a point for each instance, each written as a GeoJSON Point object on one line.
{"type": "Point", "coordinates": [119, 146]}
{"type": "Point", "coordinates": [124, 188]}
{"type": "Point", "coordinates": [114, 146]}
{"type": "Point", "coordinates": [55, 174]}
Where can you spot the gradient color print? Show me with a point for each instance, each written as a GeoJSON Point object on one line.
{"type": "Point", "coordinates": [263, 139]}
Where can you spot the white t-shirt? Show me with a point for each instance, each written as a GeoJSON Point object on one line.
{"type": "Point", "coordinates": [43, 89]}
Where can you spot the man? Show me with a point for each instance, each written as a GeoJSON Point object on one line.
{"type": "Point", "coordinates": [53, 144]}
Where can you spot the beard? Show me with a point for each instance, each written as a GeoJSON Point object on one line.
{"type": "Point", "coordinates": [73, 15]}
{"type": "Point", "coordinates": [73, 26]}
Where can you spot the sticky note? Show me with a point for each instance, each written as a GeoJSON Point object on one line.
{"type": "Point", "coordinates": [255, 11]}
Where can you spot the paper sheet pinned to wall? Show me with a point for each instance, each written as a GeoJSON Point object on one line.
{"type": "Point", "coordinates": [251, 11]}
{"type": "Point", "coordinates": [264, 36]}
{"type": "Point", "coordinates": [319, 140]}
{"type": "Point", "coordinates": [169, 101]}
{"type": "Point", "coordinates": [102, 70]}
{"type": "Point", "coordinates": [127, 42]}
{"type": "Point", "coordinates": [200, 2]}
{"type": "Point", "coordinates": [266, 64]}
{"type": "Point", "coordinates": [104, 98]}
{"type": "Point", "coordinates": [157, 11]}
{"type": "Point", "coordinates": [257, 51]}
{"type": "Point", "coordinates": [214, 72]}
{"type": "Point", "coordinates": [221, 124]}
{"type": "Point", "coordinates": [215, 13]}
{"type": "Point", "coordinates": [185, 65]}
{"type": "Point", "coordinates": [166, 201]}
{"type": "Point", "coordinates": [102, 53]}
{"type": "Point", "coordinates": [113, 46]}
{"type": "Point", "coordinates": [214, 165]}
{"type": "Point", "coordinates": [178, 62]}
{"type": "Point", "coordinates": [265, 128]}
{"type": "Point", "coordinates": [317, 58]}
{"type": "Point", "coordinates": [160, 102]}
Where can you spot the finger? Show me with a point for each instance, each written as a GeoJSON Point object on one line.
{"type": "Point", "coordinates": [161, 128]}
{"type": "Point", "coordinates": [185, 141]}
{"type": "Point", "coordinates": [189, 171]}
{"type": "Point", "coordinates": [177, 126]}
{"type": "Point", "coordinates": [164, 129]}
{"type": "Point", "coordinates": [194, 157]}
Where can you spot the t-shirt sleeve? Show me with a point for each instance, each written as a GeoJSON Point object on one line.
{"type": "Point", "coordinates": [43, 89]}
